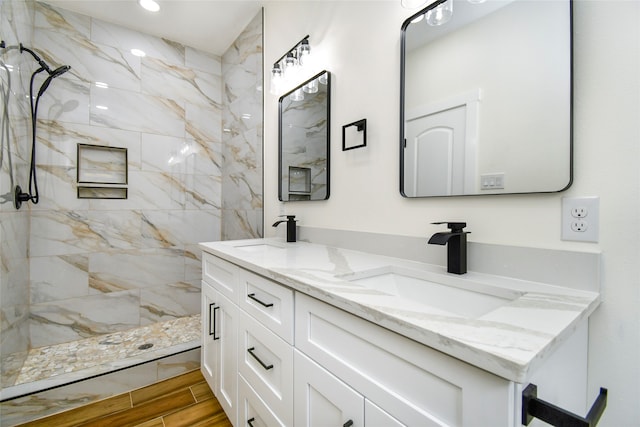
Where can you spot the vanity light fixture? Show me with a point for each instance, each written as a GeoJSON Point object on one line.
{"type": "Point", "coordinates": [150, 5]}
{"type": "Point", "coordinates": [288, 66]}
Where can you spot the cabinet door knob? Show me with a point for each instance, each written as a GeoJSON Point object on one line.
{"type": "Point", "coordinates": [250, 421]}
{"type": "Point", "coordinates": [348, 423]}
{"type": "Point", "coordinates": [264, 365]}
{"type": "Point", "coordinates": [264, 304]}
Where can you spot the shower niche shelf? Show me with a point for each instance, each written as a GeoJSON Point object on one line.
{"type": "Point", "coordinates": [103, 171]}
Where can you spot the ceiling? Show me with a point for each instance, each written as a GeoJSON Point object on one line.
{"type": "Point", "coordinates": [209, 25]}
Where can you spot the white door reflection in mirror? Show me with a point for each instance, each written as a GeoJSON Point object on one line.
{"type": "Point", "coordinates": [436, 142]}
{"type": "Point", "coordinates": [440, 147]}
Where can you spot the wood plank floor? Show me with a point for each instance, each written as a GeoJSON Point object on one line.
{"type": "Point", "coordinates": [185, 400]}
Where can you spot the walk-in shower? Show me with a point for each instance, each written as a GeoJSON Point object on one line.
{"type": "Point", "coordinates": [90, 286]}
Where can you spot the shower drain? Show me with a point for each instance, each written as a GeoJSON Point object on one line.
{"type": "Point", "coordinates": [145, 346]}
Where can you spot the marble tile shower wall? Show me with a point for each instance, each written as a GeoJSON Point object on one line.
{"type": "Point", "coordinates": [98, 265]}
{"type": "Point", "coordinates": [242, 119]}
{"type": "Point", "coordinates": [16, 24]}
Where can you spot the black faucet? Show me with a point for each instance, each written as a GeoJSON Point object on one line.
{"type": "Point", "coordinates": [457, 248]}
{"type": "Point", "coordinates": [291, 226]}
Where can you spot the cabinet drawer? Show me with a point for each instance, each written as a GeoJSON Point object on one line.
{"type": "Point", "coordinates": [252, 410]}
{"type": "Point", "coordinates": [413, 383]}
{"type": "Point", "coordinates": [222, 275]}
{"type": "Point", "coordinates": [266, 363]}
{"type": "Point", "coordinates": [269, 302]}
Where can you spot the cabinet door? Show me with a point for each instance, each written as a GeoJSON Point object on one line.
{"type": "Point", "coordinates": [208, 355]}
{"type": "Point", "coordinates": [321, 399]}
{"type": "Point", "coordinates": [376, 417]}
{"type": "Point", "coordinates": [226, 387]}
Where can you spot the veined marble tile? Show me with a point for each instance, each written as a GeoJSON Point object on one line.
{"type": "Point", "coordinates": [111, 272]}
{"type": "Point", "coordinates": [161, 303]}
{"type": "Point", "coordinates": [156, 190]}
{"type": "Point", "coordinates": [57, 189]}
{"type": "Point", "coordinates": [161, 153]}
{"type": "Point", "coordinates": [241, 224]}
{"type": "Point", "coordinates": [14, 329]}
{"type": "Point", "coordinates": [72, 319]}
{"type": "Point", "coordinates": [192, 262]}
{"type": "Point", "coordinates": [92, 62]}
{"type": "Point", "coordinates": [59, 277]}
{"type": "Point", "coordinates": [203, 123]}
{"type": "Point", "coordinates": [203, 61]}
{"type": "Point", "coordinates": [64, 38]}
{"type": "Point", "coordinates": [182, 84]}
{"type": "Point", "coordinates": [16, 20]}
{"type": "Point", "coordinates": [125, 40]}
{"type": "Point", "coordinates": [66, 99]}
{"type": "Point", "coordinates": [202, 191]}
{"type": "Point", "coordinates": [178, 364]}
{"type": "Point", "coordinates": [70, 24]}
{"type": "Point", "coordinates": [127, 110]}
{"type": "Point", "coordinates": [58, 142]}
{"type": "Point", "coordinates": [74, 232]}
{"type": "Point", "coordinates": [181, 227]}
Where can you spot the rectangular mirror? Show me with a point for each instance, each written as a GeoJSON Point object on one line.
{"type": "Point", "coordinates": [486, 98]}
{"type": "Point", "coordinates": [304, 129]}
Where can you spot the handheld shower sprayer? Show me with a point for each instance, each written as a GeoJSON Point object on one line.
{"type": "Point", "coordinates": [32, 195]}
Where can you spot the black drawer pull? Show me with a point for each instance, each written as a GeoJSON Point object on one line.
{"type": "Point", "coordinates": [215, 338]}
{"type": "Point", "coordinates": [210, 319]}
{"type": "Point", "coordinates": [348, 423]}
{"type": "Point", "coordinates": [250, 421]}
{"type": "Point", "coordinates": [264, 365]}
{"type": "Point", "coordinates": [253, 297]}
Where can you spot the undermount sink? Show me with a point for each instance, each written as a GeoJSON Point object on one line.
{"type": "Point", "coordinates": [258, 247]}
{"type": "Point", "coordinates": [450, 294]}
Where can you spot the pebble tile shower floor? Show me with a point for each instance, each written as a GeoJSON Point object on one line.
{"type": "Point", "coordinates": [46, 362]}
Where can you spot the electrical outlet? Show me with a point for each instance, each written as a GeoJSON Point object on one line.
{"type": "Point", "coordinates": [580, 218]}
{"type": "Point", "coordinates": [579, 212]}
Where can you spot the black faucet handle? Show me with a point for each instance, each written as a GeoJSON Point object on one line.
{"type": "Point", "coordinates": [455, 227]}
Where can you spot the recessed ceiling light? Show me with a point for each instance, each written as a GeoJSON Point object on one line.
{"type": "Point", "coordinates": [149, 5]}
{"type": "Point", "coordinates": [138, 52]}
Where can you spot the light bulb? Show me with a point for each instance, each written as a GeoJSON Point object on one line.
{"type": "Point", "coordinates": [297, 95]}
{"type": "Point", "coordinates": [304, 51]}
{"type": "Point", "coordinates": [276, 79]}
{"type": "Point", "coordinates": [441, 14]}
{"type": "Point", "coordinates": [311, 87]}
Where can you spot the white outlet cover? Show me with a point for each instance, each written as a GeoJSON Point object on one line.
{"type": "Point", "coordinates": [589, 223]}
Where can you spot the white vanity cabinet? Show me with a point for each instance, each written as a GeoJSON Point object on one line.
{"type": "Point", "coordinates": [406, 381]}
{"type": "Point", "coordinates": [247, 351]}
{"type": "Point", "coordinates": [279, 357]}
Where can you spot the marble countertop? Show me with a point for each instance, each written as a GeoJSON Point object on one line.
{"type": "Point", "coordinates": [522, 323]}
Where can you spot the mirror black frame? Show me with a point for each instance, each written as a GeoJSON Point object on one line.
{"type": "Point", "coordinates": [402, 141]}
{"type": "Point", "coordinates": [328, 142]}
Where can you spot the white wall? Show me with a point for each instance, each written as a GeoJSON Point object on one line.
{"type": "Point", "coordinates": [359, 42]}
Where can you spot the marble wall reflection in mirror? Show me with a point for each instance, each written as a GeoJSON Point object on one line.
{"type": "Point", "coordinates": [304, 140]}
{"type": "Point", "coordinates": [486, 100]}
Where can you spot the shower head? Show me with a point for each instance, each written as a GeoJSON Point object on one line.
{"type": "Point", "coordinates": [53, 74]}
